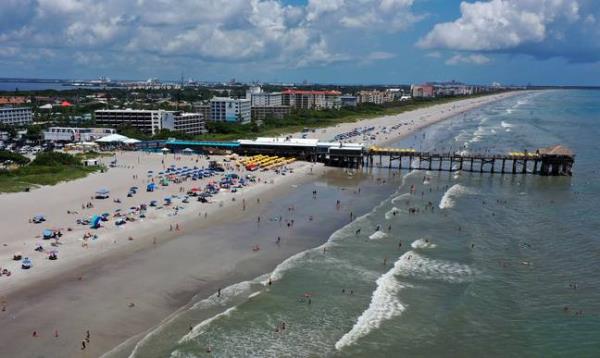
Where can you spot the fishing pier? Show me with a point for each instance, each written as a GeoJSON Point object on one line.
{"type": "Point", "coordinates": [551, 161]}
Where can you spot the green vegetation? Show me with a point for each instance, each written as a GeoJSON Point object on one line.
{"type": "Point", "coordinates": [15, 158]}
{"type": "Point", "coordinates": [48, 168]}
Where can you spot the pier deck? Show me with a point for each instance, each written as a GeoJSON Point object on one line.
{"type": "Point", "coordinates": [556, 160]}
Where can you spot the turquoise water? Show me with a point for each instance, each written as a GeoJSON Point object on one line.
{"type": "Point", "coordinates": [490, 265]}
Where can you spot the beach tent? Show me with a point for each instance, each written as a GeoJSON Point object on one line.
{"type": "Point", "coordinates": [188, 151]}
{"type": "Point", "coordinates": [95, 223]}
{"type": "Point", "coordinates": [102, 193]}
{"type": "Point", "coordinates": [47, 234]}
{"type": "Point", "coordinates": [151, 187]}
{"type": "Point", "coordinates": [131, 141]}
{"type": "Point", "coordinates": [39, 218]}
{"type": "Point", "coordinates": [112, 138]}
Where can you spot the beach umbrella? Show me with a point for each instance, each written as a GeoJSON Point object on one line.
{"type": "Point", "coordinates": [164, 150]}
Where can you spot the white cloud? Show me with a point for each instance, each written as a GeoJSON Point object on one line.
{"type": "Point", "coordinates": [473, 59]}
{"type": "Point", "coordinates": [243, 31]}
{"type": "Point", "coordinates": [501, 24]}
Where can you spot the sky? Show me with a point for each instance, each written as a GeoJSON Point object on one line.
{"type": "Point", "coordinates": [542, 42]}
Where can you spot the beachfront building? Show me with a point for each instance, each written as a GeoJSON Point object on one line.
{"type": "Point", "coordinates": [422, 91]}
{"type": "Point", "coordinates": [259, 98]}
{"type": "Point", "coordinates": [151, 121]}
{"type": "Point", "coordinates": [70, 134]}
{"type": "Point", "coordinates": [302, 99]}
{"type": "Point", "coordinates": [453, 90]}
{"type": "Point", "coordinates": [189, 123]}
{"type": "Point", "coordinates": [275, 112]}
{"type": "Point", "coordinates": [225, 109]}
{"type": "Point", "coordinates": [202, 108]}
{"type": "Point", "coordinates": [375, 97]}
{"type": "Point", "coordinates": [16, 116]}
{"type": "Point", "coordinates": [348, 101]}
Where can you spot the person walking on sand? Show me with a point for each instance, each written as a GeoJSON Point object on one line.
{"type": "Point", "coordinates": [82, 345]}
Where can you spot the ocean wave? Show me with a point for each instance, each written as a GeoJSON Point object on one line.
{"type": "Point", "coordinates": [378, 235]}
{"type": "Point", "coordinates": [391, 213]}
{"type": "Point", "coordinates": [504, 124]}
{"type": "Point", "coordinates": [456, 190]}
{"type": "Point", "coordinates": [400, 197]}
{"type": "Point", "coordinates": [423, 268]}
{"type": "Point", "coordinates": [384, 306]}
{"type": "Point", "coordinates": [422, 244]}
{"type": "Point", "coordinates": [479, 132]}
{"type": "Point", "coordinates": [200, 327]}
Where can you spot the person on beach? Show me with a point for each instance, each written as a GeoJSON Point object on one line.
{"type": "Point", "coordinates": [278, 240]}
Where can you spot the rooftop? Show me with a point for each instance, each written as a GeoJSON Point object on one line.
{"type": "Point", "coordinates": [556, 150]}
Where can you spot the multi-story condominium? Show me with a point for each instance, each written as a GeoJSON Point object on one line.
{"type": "Point", "coordinates": [275, 112]}
{"type": "Point", "coordinates": [151, 121]}
{"type": "Point", "coordinates": [70, 134]}
{"type": "Point", "coordinates": [190, 123]}
{"type": "Point", "coordinates": [301, 99]}
{"type": "Point", "coordinates": [376, 97]}
{"type": "Point", "coordinates": [422, 91]}
{"type": "Point", "coordinates": [453, 90]}
{"type": "Point", "coordinates": [348, 101]}
{"type": "Point", "coordinates": [259, 98]}
{"type": "Point", "coordinates": [16, 116]}
{"type": "Point", "coordinates": [225, 109]}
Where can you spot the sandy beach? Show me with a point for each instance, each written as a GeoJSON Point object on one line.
{"type": "Point", "coordinates": [133, 276]}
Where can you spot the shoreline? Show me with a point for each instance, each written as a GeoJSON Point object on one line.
{"type": "Point", "coordinates": [102, 268]}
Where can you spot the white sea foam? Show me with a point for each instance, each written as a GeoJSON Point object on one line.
{"type": "Point", "coordinates": [448, 200]}
{"type": "Point", "coordinates": [384, 306]}
{"type": "Point", "coordinates": [504, 124]}
{"type": "Point", "coordinates": [422, 244]}
{"type": "Point", "coordinates": [400, 197]}
{"type": "Point", "coordinates": [391, 213]}
{"type": "Point", "coordinates": [479, 132]}
{"type": "Point", "coordinates": [378, 235]}
{"type": "Point", "coordinates": [200, 328]}
{"type": "Point", "coordinates": [423, 268]}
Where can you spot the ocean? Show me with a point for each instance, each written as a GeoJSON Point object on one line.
{"type": "Point", "coordinates": [33, 86]}
{"type": "Point", "coordinates": [490, 265]}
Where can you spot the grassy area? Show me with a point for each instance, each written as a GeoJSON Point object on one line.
{"type": "Point", "coordinates": [93, 155]}
{"type": "Point", "coordinates": [47, 169]}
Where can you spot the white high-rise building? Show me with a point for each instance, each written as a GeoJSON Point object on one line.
{"type": "Point", "coordinates": [259, 98]}
{"type": "Point", "coordinates": [16, 116]}
{"type": "Point", "coordinates": [151, 121]}
{"type": "Point", "coordinates": [227, 109]}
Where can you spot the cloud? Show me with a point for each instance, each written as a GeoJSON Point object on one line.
{"type": "Point", "coordinates": [206, 31]}
{"type": "Point", "coordinates": [543, 28]}
{"type": "Point", "coordinates": [474, 59]}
